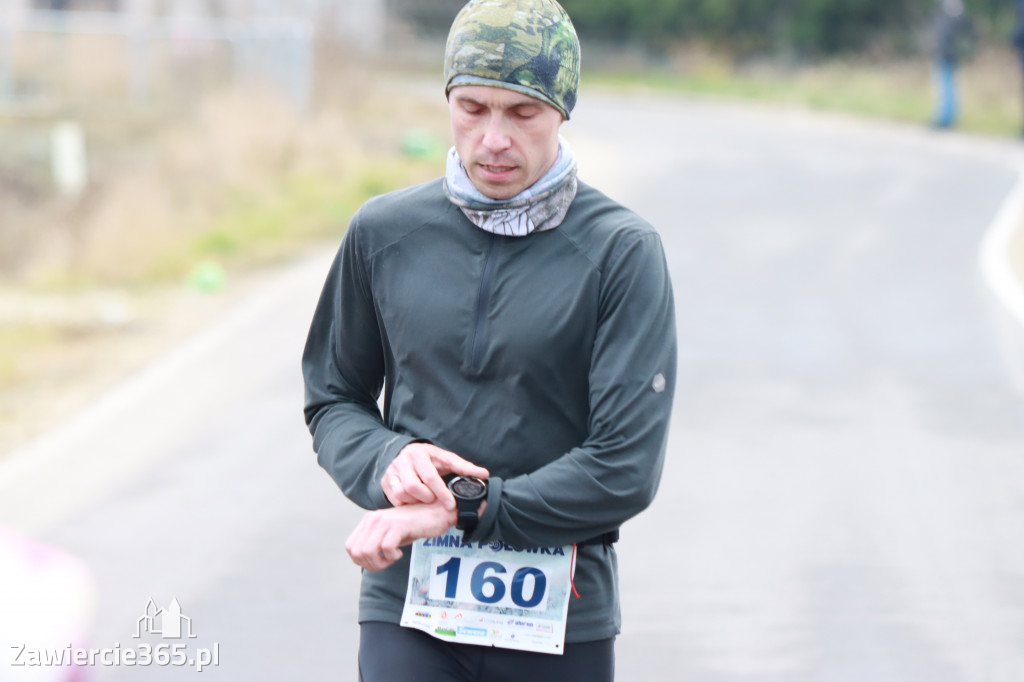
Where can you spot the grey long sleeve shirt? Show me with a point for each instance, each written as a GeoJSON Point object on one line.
{"type": "Point", "coordinates": [548, 359]}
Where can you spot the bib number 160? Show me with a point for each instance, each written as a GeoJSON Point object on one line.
{"type": "Point", "coordinates": [488, 582]}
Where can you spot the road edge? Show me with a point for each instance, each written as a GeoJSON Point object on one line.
{"type": "Point", "coordinates": [50, 456]}
{"type": "Point", "coordinates": [994, 251]}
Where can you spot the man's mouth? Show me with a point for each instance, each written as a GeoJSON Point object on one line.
{"type": "Point", "coordinates": [496, 169]}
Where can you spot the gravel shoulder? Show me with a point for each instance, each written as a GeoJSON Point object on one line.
{"type": "Point", "coordinates": [95, 341]}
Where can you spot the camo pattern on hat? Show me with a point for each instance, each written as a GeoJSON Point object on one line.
{"type": "Point", "coordinates": [529, 46]}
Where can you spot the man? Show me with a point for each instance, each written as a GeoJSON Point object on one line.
{"type": "Point", "coordinates": [954, 43]}
{"type": "Point", "coordinates": [1018, 36]}
{"type": "Point", "coordinates": [520, 325]}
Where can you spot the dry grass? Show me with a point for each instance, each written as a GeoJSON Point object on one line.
{"type": "Point", "coordinates": [990, 86]}
{"type": "Point", "coordinates": [144, 220]}
{"type": "Point", "coordinates": [91, 287]}
{"type": "Point", "coordinates": [72, 67]}
{"type": "Point", "coordinates": [992, 93]}
{"type": "Point", "coordinates": [241, 177]}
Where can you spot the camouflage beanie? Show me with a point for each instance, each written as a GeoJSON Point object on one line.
{"type": "Point", "coordinates": [528, 46]}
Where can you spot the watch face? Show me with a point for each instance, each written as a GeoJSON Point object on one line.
{"type": "Point", "coordinates": [467, 488]}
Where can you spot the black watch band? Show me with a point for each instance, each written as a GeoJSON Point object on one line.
{"type": "Point", "coordinates": [469, 493]}
{"type": "Point", "coordinates": [467, 519]}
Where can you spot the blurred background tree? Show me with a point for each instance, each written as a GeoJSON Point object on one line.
{"type": "Point", "coordinates": [428, 17]}
{"type": "Point", "coordinates": [806, 29]}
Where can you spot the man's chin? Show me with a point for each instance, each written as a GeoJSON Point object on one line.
{"type": "Point", "coordinates": [498, 195]}
{"type": "Point", "coordinates": [499, 191]}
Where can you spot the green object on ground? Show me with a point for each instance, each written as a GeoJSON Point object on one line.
{"type": "Point", "coordinates": [420, 144]}
{"type": "Point", "coordinates": [207, 277]}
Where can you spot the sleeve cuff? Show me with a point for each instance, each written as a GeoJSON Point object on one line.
{"type": "Point", "coordinates": [485, 528]}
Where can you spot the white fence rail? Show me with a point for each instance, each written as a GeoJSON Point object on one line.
{"type": "Point", "coordinates": [278, 51]}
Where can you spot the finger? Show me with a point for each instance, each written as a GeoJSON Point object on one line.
{"type": "Point", "coordinates": [388, 557]}
{"type": "Point", "coordinates": [411, 471]}
{"type": "Point", "coordinates": [398, 477]}
{"type": "Point", "coordinates": [381, 544]}
{"type": "Point", "coordinates": [389, 548]}
{"type": "Point", "coordinates": [364, 545]}
{"type": "Point", "coordinates": [393, 489]}
{"type": "Point", "coordinates": [376, 561]}
{"type": "Point", "coordinates": [432, 479]}
{"type": "Point", "coordinates": [355, 546]}
{"type": "Point", "coordinates": [382, 540]}
{"type": "Point", "coordinates": [446, 462]}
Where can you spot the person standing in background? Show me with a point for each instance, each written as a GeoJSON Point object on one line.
{"type": "Point", "coordinates": [1018, 42]}
{"type": "Point", "coordinates": [955, 42]}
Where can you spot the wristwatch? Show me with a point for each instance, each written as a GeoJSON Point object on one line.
{"type": "Point", "coordinates": [469, 492]}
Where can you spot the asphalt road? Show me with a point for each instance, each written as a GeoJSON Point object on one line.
{"type": "Point", "coordinates": [844, 493]}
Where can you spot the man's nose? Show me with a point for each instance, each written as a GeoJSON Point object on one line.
{"type": "Point", "coordinates": [496, 137]}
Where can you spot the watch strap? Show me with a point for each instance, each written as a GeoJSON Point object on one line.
{"type": "Point", "coordinates": [467, 519]}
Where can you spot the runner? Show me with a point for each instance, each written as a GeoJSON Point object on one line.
{"type": "Point", "coordinates": [1018, 40]}
{"type": "Point", "coordinates": [955, 42]}
{"type": "Point", "coordinates": [520, 325]}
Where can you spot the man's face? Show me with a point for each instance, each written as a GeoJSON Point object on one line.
{"type": "Point", "coordinates": [506, 140]}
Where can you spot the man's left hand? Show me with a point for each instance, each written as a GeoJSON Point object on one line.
{"type": "Point", "coordinates": [415, 475]}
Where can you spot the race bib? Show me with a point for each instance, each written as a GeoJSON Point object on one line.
{"type": "Point", "coordinates": [489, 593]}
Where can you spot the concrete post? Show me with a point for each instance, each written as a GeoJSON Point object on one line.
{"type": "Point", "coordinates": [68, 158]}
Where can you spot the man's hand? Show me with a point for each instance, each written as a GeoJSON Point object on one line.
{"type": "Point", "coordinates": [414, 477]}
{"type": "Point", "coordinates": [375, 542]}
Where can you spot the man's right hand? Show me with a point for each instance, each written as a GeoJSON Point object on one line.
{"type": "Point", "coordinates": [414, 477]}
{"type": "Point", "coordinates": [375, 542]}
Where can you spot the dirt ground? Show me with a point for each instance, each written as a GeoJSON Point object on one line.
{"type": "Point", "coordinates": [104, 338]}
